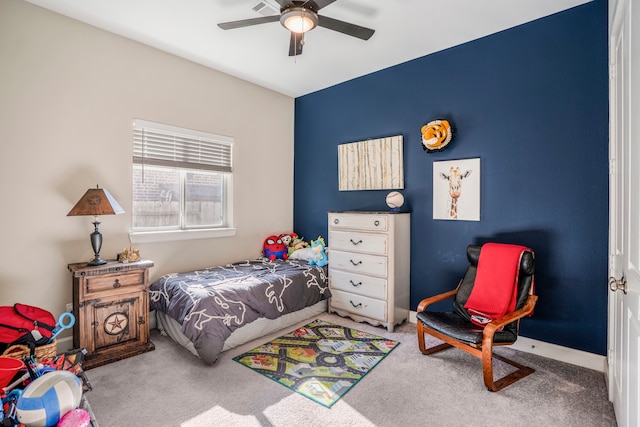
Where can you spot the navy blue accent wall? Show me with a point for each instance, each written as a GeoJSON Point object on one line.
{"type": "Point", "coordinates": [532, 103]}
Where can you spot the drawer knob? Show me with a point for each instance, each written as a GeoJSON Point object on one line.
{"type": "Point", "coordinates": [356, 243]}
{"type": "Point", "coordinates": [355, 284]}
{"type": "Point", "coordinates": [116, 283]}
{"type": "Point", "coordinates": [355, 263]}
{"type": "Point", "coordinates": [376, 223]}
{"type": "Point", "coordinates": [336, 221]}
{"type": "Point", "coordinates": [355, 305]}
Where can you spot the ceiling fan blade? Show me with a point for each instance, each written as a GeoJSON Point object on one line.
{"type": "Point", "coordinates": [295, 44]}
{"type": "Point", "coordinates": [345, 27]}
{"type": "Point", "coordinates": [248, 22]}
{"type": "Point", "coordinates": [319, 4]}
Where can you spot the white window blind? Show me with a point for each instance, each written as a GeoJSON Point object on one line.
{"type": "Point", "coordinates": [164, 145]}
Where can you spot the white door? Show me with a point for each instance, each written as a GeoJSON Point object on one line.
{"type": "Point", "coordinates": [624, 211]}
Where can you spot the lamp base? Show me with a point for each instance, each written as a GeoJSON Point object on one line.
{"type": "Point", "coordinates": [97, 261]}
{"type": "Point", "coordinates": [96, 244]}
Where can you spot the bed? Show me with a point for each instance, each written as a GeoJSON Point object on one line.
{"type": "Point", "coordinates": [218, 308]}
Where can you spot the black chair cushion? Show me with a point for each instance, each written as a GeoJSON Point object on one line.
{"type": "Point", "coordinates": [461, 329]}
{"type": "Point", "coordinates": [458, 323]}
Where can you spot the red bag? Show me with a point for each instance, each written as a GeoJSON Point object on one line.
{"type": "Point", "coordinates": [25, 324]}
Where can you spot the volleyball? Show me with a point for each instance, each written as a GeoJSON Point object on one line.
{"type": "Point", "coordinates": [48, 398]}
{"type": "Point", "coordinates": [395, 200]}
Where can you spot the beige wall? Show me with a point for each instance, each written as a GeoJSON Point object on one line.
{"type": "Point", "coordinates": [68, 95]}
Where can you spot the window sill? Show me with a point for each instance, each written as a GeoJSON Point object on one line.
{"type": "Point", "coordinates": [175, 235]}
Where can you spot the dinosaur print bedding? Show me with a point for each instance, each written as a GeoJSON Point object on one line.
{"type": "Point", "coordinates": [211, 303]}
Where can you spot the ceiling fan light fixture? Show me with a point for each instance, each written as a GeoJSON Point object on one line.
{"type": "Point", "coordinates": [299, 19]}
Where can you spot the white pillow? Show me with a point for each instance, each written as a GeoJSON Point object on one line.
{"type": "Point", "coordinates": [304, 254]}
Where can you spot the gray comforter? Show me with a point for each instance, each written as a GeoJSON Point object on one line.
{"type": "Point", "coordinates": [210, 304]}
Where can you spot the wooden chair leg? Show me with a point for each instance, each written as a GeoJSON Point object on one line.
{"type": "Point", "coordinates": [485, 353]}
{"type": "Point", "coordinates": [487, 370]}
{"type": "Point", "coordinates": [421, 342]}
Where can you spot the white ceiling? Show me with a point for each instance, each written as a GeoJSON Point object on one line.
{"type": "Point", "coordinates": [405, 30]}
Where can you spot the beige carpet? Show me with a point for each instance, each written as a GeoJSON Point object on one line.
{"type": "Point", "coordinates": [171, 387]}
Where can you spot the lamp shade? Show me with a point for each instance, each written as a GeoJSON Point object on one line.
{"type": "Point", "coordinates": [95, 202]}
{"type": "Point", "coordinates": [299, 19]}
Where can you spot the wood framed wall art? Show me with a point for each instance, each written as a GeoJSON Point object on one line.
{"type": "Point", "coordinates": [374, 164]}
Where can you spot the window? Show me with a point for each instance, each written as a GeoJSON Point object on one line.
{"type": "Point", "coordinates": [181, 179]}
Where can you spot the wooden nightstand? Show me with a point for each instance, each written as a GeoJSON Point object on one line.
{"type": "Point", "coordinates": [111, 306]}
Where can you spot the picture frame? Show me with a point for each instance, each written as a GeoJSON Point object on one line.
{"type": "Point", "coordinates": [456, 190]}
{"type": "Point", "coordinates": [374, 164]}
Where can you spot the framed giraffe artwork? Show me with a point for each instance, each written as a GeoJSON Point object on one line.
{"type": "Point", "coordinates": [456, 190]}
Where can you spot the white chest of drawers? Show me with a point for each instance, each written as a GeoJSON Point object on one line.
{"type": "Point", "coordinates": [369, 262]}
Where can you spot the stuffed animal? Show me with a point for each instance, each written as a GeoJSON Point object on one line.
{"type": "Point", "coordinates": [274, 248]}
{"type": "Point", "coordinates": [286, 238]}
{"type": "Point", "coordinates": [296, 243]}
{"type": "Point", "coordinates": [320, 257]}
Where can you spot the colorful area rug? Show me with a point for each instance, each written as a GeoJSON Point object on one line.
{"type": "Point", "coordinates": [320, 360]}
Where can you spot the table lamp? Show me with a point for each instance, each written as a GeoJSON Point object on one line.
{"type": "Point", "coordinates": [95, 202]}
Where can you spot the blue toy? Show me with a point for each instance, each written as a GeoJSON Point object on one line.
{"type": "Point", "coordinates": [61, 325]}
{"type": "Point", "coordinates": [320, 256]}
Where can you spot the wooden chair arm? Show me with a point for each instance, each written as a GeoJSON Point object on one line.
{"type": "Point", "coordinates": [440, 297]}
{"type": "Point", "coordinates": [493, 326]}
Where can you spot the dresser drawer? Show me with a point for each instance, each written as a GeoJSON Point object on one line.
{"type": "Point", "coordinates": [115, 281]}
{"type": "Point", "coordinates": [374, 287]}
{"type": "Point", "coordinates": [358, 304]}
{"type": "Point", "coordinates": [358, 221]}
{"type": "Point", "coordinates": [358, 242]}
{"type": "Point", "coordinates": [363, 263]}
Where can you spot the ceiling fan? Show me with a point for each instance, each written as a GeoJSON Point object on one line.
{"type": "Point", "coordinates": [300, 17]}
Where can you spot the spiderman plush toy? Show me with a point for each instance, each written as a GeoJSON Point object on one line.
{"type": "Point", "coordinates": [275, 248]}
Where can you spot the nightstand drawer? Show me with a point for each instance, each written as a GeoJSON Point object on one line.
{"type": "Point", "coordinates": [374, 287]}
{"type": "Point", "coordinates": [358, 221]}
{"type": "Point", "coordinates": [115, 281]}
{"type": "Point", "coordinates": [358, 242]}
{"type": "Point", "coordinates": [360, 305]}
{"type": "Point", "coordinates": [350, 261]}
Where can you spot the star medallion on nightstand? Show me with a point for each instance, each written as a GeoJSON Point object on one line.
{"type": "Point", "coordinates": [117, 323]}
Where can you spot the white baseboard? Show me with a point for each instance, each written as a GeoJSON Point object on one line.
{"type": "Point", "coordinates": [553, 351]}
{"type": "Point", "coordinates": [528, 345]}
